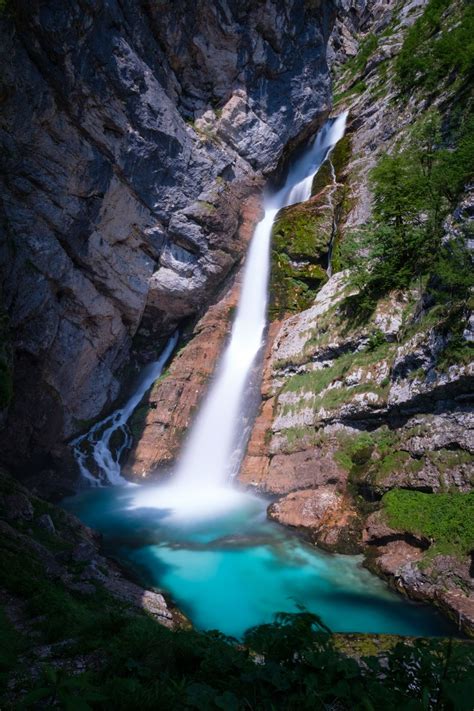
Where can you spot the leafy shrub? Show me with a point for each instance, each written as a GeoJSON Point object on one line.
{"type": "Point", "coordinates": [414, 190]}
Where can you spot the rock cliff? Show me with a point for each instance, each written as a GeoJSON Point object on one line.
{"type": "Point", "coordinates": [131, 134]}
{"type": "Point", "coordinates": [355, 407]}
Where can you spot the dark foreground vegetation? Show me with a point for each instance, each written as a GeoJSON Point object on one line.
{"type": "Point", "coordinates": [293, 663]}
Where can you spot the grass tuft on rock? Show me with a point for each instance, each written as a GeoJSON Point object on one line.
{"type": "Point", "coordinates": [446, 519]}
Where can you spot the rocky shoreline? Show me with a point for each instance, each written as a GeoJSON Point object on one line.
{"type": "Point", "coordinates": [68, 554]}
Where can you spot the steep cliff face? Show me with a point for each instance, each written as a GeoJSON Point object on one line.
{"type": "Point", "coordinates": [360, 406]}
{"type": "Point", "coordinates": [131, 134]}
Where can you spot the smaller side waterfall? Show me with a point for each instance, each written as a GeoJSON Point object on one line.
{"type": "Point", "coordinates": [95, 445]}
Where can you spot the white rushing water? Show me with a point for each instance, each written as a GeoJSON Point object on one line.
{"type": "Point", "coordinates": [95, 445]}
{"type": "Point", "coordinates": [200, 484]}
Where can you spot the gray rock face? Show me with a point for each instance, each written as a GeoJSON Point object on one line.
{"type": "Point", "coordinates": [130, 134]}
{"type": "Point", "coordinates": [357, 17]}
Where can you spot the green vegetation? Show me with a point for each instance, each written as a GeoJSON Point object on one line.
{"type": "Point", "coordinates": [301, 237]}
{"type": "Point", "coordinates": [414, 190]}
{"type": "Point", "coordinates": [318, 380]}
{"type": "Point", "coordinates": [370, 458]}
{"type": "Point", "coordinates": [439, 49]}
{"type": "Point", "coordinates": [358, 88]}
{"type": "Point", "coordinates": [297, 232]}
{"type": "Point", "coordinates": [446, 519]}
{"type": "Point", "coordinates": [302, 437]}
{"type": "Point", "coordinates": [143, 665]}
{"type": "Point", "coordinates": [300, 240]}
{"type": "Point", "coordinates": [358, 63]}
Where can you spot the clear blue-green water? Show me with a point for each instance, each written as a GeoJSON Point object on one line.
{"type": "Point", "coordinates": [238, 569]}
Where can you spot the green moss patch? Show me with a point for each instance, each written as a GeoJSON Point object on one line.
{"type": "Point", "coordinates": [438, 49]}
{"type": "Point", "coordinates": [317, 380]}
{"type": "Point", "coordinates": [298, 438]}
{"type": "Point", "coordinates": [446, 519]}
{"type": "Point", "coordinates": [300, 242]}
{"type": "Point", "coordinates": [303, 231]}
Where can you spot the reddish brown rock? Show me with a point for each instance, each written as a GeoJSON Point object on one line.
{"type": "Point", "coordinates": [307, 508]}
{"type": "Point", "coordinates": [174, 398]}
{"type": "Point", "coordinates": [176, 395]}
{"type": "Point", "coordinates": [301, 470]}
{"type": "Point", "coordinates": [327, 514]}
{"type": "Point", "coordinates": [395, 555]}
{"type": "Point", "coordinates": [377, 532]}
{"type": "Point", "coordinates": [254, 469]}
{"type": "Point", "coordinates": [442, 580]}
{"type": "Point", "coordinates": [459, 606]}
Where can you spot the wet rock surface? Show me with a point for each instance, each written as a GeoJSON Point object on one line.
{"type": "Point", "coordinates": [161, 421]}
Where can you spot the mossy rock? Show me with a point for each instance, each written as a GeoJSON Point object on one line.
{"type": "Point", "coordinates": [446, 519]}
{"type": "Point", "coordinates": [322, 179]}
{"type": "Point", "coordinates": [301, 237]}
{"type": "Point", "coordinates": [303, 231]}
{"type": "Point", "coordinates": [341, 154]}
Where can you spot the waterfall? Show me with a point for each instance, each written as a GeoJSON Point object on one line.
{"type": "Point", "coordinates": [214, 430]}
{"type": "Point", "coordinates": [95, 444]}
{"type": "Point", "coordinates": [206, 463]}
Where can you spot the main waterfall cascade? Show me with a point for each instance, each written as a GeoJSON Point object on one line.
{"type": "Point", "coordinates": [200, 483]}
{"type": "Point", "coordinates": [207, 464]}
